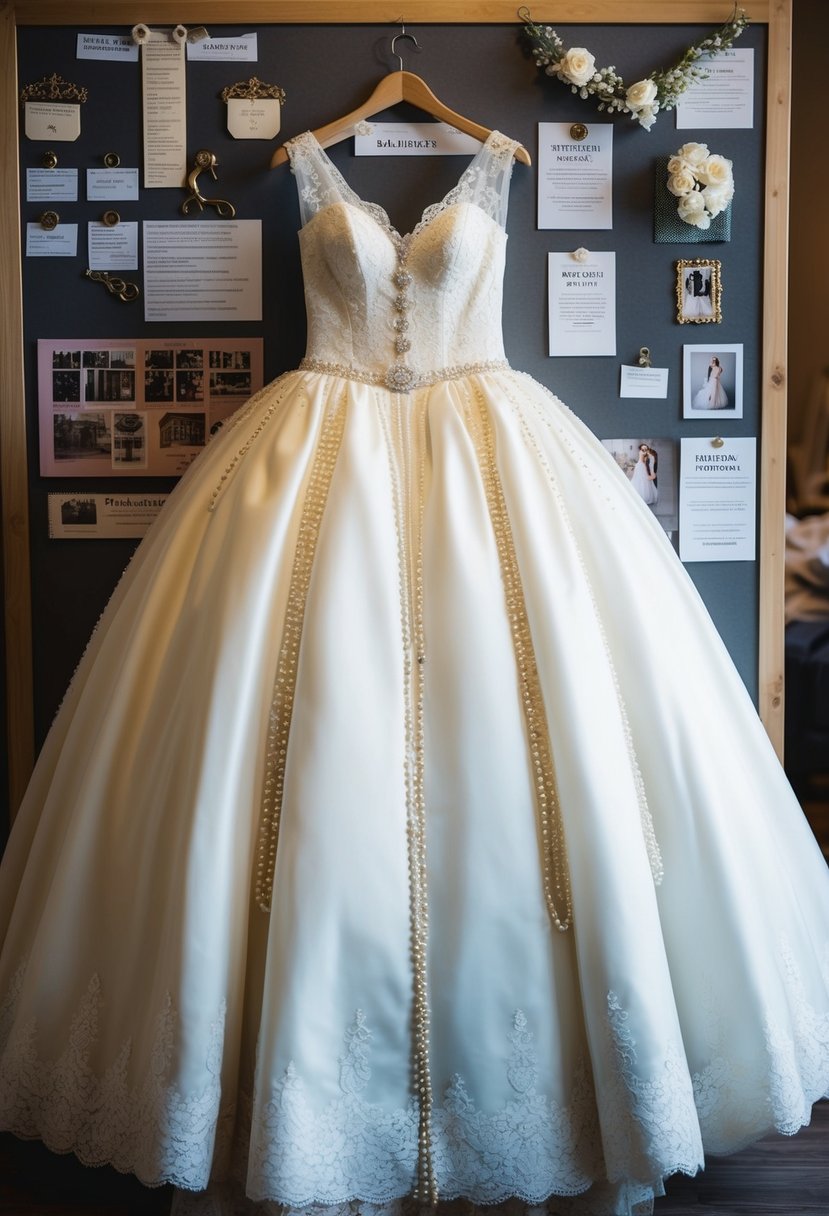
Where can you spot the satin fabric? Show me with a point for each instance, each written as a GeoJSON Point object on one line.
{"type": "Point", "coordinates": [157, 1019]}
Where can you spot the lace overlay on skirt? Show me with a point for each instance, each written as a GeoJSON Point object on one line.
{"type": "Point", "coordinates": [146, 1127]}
{"type": "Point", "coordinates": [304, 1158]}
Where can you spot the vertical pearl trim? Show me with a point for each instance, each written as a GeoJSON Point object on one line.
{"type": "Point", "coordinates": [407, 456]}
{"type": "Point", "coordinates": [282, 703]}
{"type": "Point", "coordinates": [554, 870]}
{"type": "Point", "coordinates": [648, 831]}
{"type": "Point", "coordinates": [239, 417]}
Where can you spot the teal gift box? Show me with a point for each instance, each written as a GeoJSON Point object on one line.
{"type": "Point", "coordinates": [669, 229]}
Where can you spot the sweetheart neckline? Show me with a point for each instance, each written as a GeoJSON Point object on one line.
{"type": "Point", "coordinates": [390, 230]}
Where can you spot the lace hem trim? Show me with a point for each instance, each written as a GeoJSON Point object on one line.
{"type": "Point", "coordinates": [532, 1147]}
{"type": "Point", "coordinates": [417, 379]}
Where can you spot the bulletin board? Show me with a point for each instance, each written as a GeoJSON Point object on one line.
{"type": "Point", "coordinates": [472, 58]}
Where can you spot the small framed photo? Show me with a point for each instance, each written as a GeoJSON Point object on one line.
{"type": "Point", "coordinates": [698, 291]}
{"type": "Point", "coordinates": [712, 380]}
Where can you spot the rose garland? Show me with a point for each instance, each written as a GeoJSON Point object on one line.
{"type": "Point", "coordinates": [702, 182]}
{"type": "Point", "coordinates": [642, 100]}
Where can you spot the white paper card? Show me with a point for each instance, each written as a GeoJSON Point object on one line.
{"type": "Point", "coordinates": [575, 177]}
{"type": "Point", "coordinates": [113, 248]}
{"type": "Point", "coordinates": [413, 139]}
{"type": "Point", "coordinates": [203, 270]}
{"type": "Point", "coordinates": [56, 121]}
{"type": "Point", "coordinates": [60, 242]}
{"type": "Point", "coordinates": [725, 98]}
{"type": "Point", "coordinates": [107, 46]}
{"type": "Point", "coordinates": [165, 126]}
{"type": "Point", "coordinates": [241, 48]}
{"type": "Point", "coordinates": [259, 119]}
{"type": "Point", "coordinates": [717, 504]}
{"type": "Point", "coordinates": [111, 184]}
{"type": "Point", "coordinates": [582, 304]}
{"type": "Point", "coordinates": [79, 515]}
{"type": "Point", "coordinates": [51, 185]}
{"type": "Point", "coordinates": [643, 381]}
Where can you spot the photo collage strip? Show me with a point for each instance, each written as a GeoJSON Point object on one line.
{"type": "Point", "coordinates": [138, 407]}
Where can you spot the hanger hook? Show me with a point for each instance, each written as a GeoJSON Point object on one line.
{"type": "Point", "coordinates": [402, 34]}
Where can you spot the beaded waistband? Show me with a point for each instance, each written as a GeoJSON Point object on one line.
{"type": "Point", "coordinates": [395, 380]}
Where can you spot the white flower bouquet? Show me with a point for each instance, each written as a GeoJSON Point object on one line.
{"type": "Point", "coordinates": [702, 182]}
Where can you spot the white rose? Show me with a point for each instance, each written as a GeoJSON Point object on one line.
{"type": "Point", "coordinates": [676, 164]}
{"type": "Point", "coordinates": [577, 65]}
{"type": "Point", "coordinates": [716, 199]}
{"type": "Point", "coordinates": [693, 154]}
{"type": "Point", "coordinates": [691, 209]}
{"type": "Point", "coordinates": [681, 183]}
{"type": "Point", "coordinates": [640, 95]}
{"type": "Point", "coordinates": [715, 171]}
{"type": "Point", "coordinates": [647, 116]}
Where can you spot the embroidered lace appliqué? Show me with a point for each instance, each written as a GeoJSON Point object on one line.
{"type": "Point", "coordinates": [530, 1148]}
{"type": "Point", "coordinates": [317, 1160]}
{"type": "Point", "coordinates": [151, 1129]}
{"type": "Point", "coordinates": [651, 1118]}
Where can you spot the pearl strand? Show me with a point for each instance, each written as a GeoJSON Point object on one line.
{"type": "Point", "coordinates": [554, 869]}
{"type": "Point", "coordinates": [239, 417]}
{"type": "Point", "coordinates": [410, 575]}
{"type": "Point", "coordinates": [648, 831]}
{"type": "Point", "coordinates": [282, 703]}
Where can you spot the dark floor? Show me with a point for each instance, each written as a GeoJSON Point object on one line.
{"type": "Point", "coordinates": [776, 1177]}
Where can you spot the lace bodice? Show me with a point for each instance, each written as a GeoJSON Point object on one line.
{"type": "Point", "coordinates": [402, 309]}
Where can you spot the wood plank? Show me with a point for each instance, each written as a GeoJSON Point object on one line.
{"type": "Point", "coordinates": [774, 378]}
{"type": "Point", "coordinates": [379, 12]}
{"type": "Point", "coordinates": [13, 466]}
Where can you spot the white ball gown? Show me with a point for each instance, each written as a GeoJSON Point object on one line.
{"type": "Point", "coordinates": [643, 484]}
{"type": "Point", "coordinates": [379, 847]}
{"type": "Point", "coordinates": [712, 395]}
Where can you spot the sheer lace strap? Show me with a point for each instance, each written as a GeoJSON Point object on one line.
{"type": "Point", "coordinates": [318, 184]}
{"type": "Point", "coordinates": [487, 179]}
{"type": "Point", "coordinates": [484, 182]}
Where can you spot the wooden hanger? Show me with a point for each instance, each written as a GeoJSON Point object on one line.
{"type": "Point", "coordinates": [393, 88]}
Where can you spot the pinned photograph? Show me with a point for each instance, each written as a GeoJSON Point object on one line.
{"type": "Point", "coordinates": [713, 380]}
{"type": "Point", "coordinates": [698, 291]}
{"type": "Point", "coordinates": [650, 466]}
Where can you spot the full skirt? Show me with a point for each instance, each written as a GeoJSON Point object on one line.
{"type": "Point", "coordinates": [363, 585]}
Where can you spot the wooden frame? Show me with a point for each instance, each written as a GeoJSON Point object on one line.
{"type": "Point", "coordinates": [777, 14]}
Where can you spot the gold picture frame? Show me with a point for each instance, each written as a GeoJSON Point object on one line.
{"type": "Point", "coordinates": [698, 291]}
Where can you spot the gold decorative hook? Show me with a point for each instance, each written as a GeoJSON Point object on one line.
{"type": "Point", "coordinates": [117, 287]}
{"type": "Point", "coordinates": [205, 161]}
{"type": "Point", "coordinates": [403, 34]}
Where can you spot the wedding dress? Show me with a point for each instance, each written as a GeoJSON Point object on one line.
{"type": "Point", "coordinates": [643, 484]}
{"type": "Point", "coordinates": [712, 395]}
{"type": "Point", "coordinates": [379, 847]}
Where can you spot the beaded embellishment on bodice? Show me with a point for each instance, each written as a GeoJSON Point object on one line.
{"type": "Point", "coordinates": [396, 309]}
